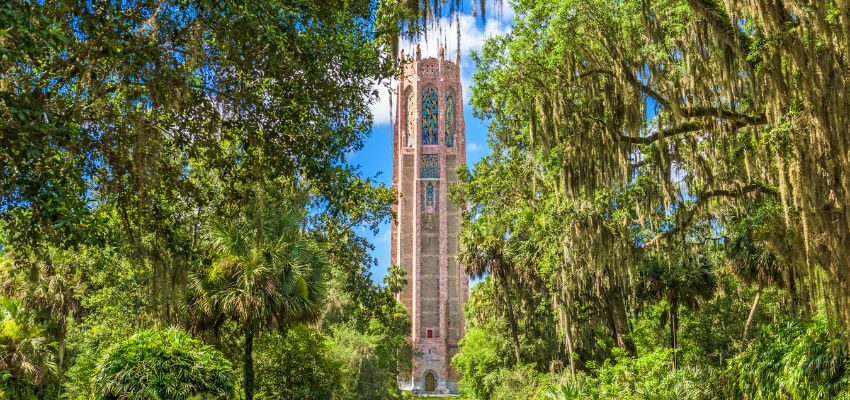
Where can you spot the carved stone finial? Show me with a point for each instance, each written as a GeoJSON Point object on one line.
{"type": "Point", "coordinates": [401, 55]}
{"type": "Point", "coordinates": [418, 53]}
{"type": "Point", "coordinates": [442, 52]}
{"type": "Point", "coordinates": [457, 56]}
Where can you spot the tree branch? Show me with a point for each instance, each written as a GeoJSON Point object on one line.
{"type": "Point", "coordinates": [693, 112]}
{"type": "Point", "coordinates": [664, 133]}
{"type": "Point", "coordinates": [702, 199]}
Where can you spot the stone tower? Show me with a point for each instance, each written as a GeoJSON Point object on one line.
{"type": "Point", "coordinates": [429, 145]}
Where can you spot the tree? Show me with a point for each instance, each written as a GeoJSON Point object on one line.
{"type": "Point", "coordinates": [261, 281]}
{"type": "Point", "coordinates": [681, 280]}
{"type": "Point", "coordinates": [162, 364]}
{"type": "Point", "coordinates": [755, 254]}
{"type": "Point", "coordinates": [482, 252]}
{"type": "Point", "coordinates": [684, 123]}
{"type": "Point", "coordinates": [27, 360]}
{"type": "Point", "coordinates": [132, 123]}
{"type": "Point", "coordinates": [298, 366]}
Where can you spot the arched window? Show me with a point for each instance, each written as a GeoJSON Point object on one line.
{"type": "Point", "coordinates": [450, 118]}
{"type": "Point", "coordinates": [430, 382]}
{"type": "Point", "coordinates": [429, 195]}
{"type": "Point", "coordinates": [429, 116]}
{"type": "Point", "coordinates": [410, 114]}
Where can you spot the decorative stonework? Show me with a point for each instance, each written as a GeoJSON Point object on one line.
{"type": "Point", "coordinates": [430, 108]}
{"type": "Point", "coordinates": [450, 118]}
{"type": "Point", "coordinates": [410, 115]}
{"type": "Point", "coordinates": [425, 234]}
{"type": "Point", "coordinates": [430, 166]}
{"type": "Point", "coordinates": [429, 195]}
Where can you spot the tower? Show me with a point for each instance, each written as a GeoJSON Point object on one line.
{"type": "Point", "coordinates": [429, 145]}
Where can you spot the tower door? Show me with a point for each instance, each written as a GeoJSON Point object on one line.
{"type": "Point", "coordinates": [430, 382]}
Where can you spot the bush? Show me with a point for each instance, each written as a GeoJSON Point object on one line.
{"type": "Point", "coordinates": [297, 367]}
{"type": "Point", "coordinates": [163, 364]}
{"type": "Point", "coordinates": [371, 361]}
{"type": "Point", "coordinates": [791, 360]}
{"type": "Point", "coordinates": [479, 361]}
{"type": "Point", "coordinates": [522, 382]}
{"type": "Point", "coordinates": [650, 376]}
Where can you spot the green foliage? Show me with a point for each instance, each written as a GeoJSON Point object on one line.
{"type": "Point", "coordinates": [163, 364]}
{"type": "Point", "coordinates": [372, 360]}
{"type": "Point", "coordinates": [265, 272]}
{"type": "Point", "coordinates": [116, 304]}
{"type": "Point", "coordinates": [649, 376]}
{"type": "Point", "coordinates": [27, 358]}
{"type": "Point", "coordinates": [483, 354]}
{"type": "Point", "coordinates": [792, 360]}
{"type": "Point", "coordinates": [522, 382]}
{"type": "Point", "coordinates": [486, 360]}
{"type": "Point", "coordinates": [130, 128]}
{"type": "Point", "coordinates": [367, 327]}
{"type": "Point", "coordinates": [297, 365]}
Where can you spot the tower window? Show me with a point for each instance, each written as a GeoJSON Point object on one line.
{"type": "Point", "coordinates": [410, 114]}
{"type": "Point", "coordinates": [450, 118]}
{"type": "Point", "coordinates": [430, 167]}
{"type": "Point", "coordinates": [430, 333]}
{"type": "Point", "coordinates": [429, 116]}
{"type": "Point", "coordinates": [429, 195]}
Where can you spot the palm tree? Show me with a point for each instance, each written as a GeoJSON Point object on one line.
{"type": "Point", "coordinates": [483, 251]}
{"type": "Point", "coordinates": [262, 278]}
{"type": "Point", "coordinates": [755, 261]}
{"type": "Point", "coordinates": [683, 281]}
{"type": "Point", "coordinates": [27, 360]}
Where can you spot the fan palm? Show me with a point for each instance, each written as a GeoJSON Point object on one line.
{"type": "Point", "coordinates": [26, 357]}
{"type": "Point", "coordinates": [266, 277]}
{"type": "Point", "coordinates": [680, 281]}
{"type": "Point", "coordinates": [754, 261]}
{"type": "Point", "coordinates": [483, 251]}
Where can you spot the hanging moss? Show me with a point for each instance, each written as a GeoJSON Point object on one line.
{"type": "Point", "coordinates": [749, 100]}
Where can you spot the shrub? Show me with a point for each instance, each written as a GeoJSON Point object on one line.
{"type": "Point", "coordinates": [163, 364]}
{"type": "Point", "coordinates": [791, 360]}
{"type": "Point", "coordinates": [297, 367]}
{"type": "Point", "coordinates": [521, 382]}
{"type": "Point", "coordinates": [649, 376]}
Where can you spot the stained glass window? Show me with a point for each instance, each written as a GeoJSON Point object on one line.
{"type": "Point", "coordinates": [450, 118]}
{"type": "Point", "coordinates": [410, 129]}
{"type": "Point", "coordinates": [430, 167]}
{"type": "Point", "coordinates": [429, 195]}
{"type": "Point", "coordinates": [429, 116]}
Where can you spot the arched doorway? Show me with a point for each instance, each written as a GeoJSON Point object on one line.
{"type": "Point", "coordinates": [430, 382]}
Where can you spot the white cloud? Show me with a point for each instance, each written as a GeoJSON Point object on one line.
{"type": "Point", "coordinates": [382, 113]}
{"type": "Point", "coordinates": [473, 147]}
{"type": "Point", "coordinates": [472, 37]}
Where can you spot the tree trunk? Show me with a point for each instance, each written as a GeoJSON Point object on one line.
{"type": "Point", "coordinates": [510, 311]}
{"type": "Point", "coordinates": [752, 313]}
{"type": "Point", "coordinates": [674, 328]}
{"type": "Point", "coordinates": [569, 338]}
{"type": "Point", "coordinates": [620, 323]}
{"type": "Point", "coordinates": [249, 362]}
{"type": "Point", "coordinates": [61, 335]}
{"type": "Point", "coordinates": [565, 308]}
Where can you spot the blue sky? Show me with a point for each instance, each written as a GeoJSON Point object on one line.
{"type": "Point", "coordinates": [376, 157]}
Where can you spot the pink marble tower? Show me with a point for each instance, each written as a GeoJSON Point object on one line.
{"type": "Point", "coordinates": [429, 145]}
